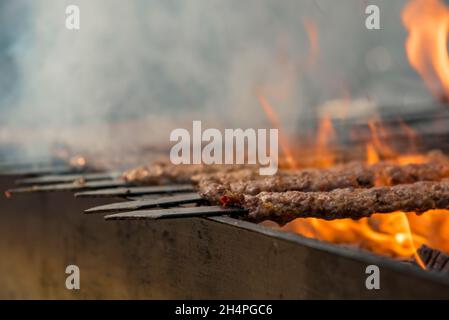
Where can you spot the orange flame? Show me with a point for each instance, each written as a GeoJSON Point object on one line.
{"type": "Point", "coordinates": [312, 35]}
{"type": "Point", "coordinates": [409, 236]}
{"type": "Point", "coordinates": [283, 141]}
{"type": "Point", "coordinates": [383, 234]}
{"type": "Point", "coordinates": [427, 22]}
{"type": "Point", "coordinates": [371, 155]}
{"type": "Point", "coordinates": [377, 133]}
{"type": "Point", "coordinates": [326, 135]}
{"type": "Point", "coordinates": [411, 135]}
{"type": "Point", "coordinates": [396, 234]}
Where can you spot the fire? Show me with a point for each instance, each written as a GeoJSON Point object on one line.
{"type": "Point", "coordinates": [377, 148]}
{"type": "Point", "coordinates": [325, 136]}
{"type": "Point", "coordinates": [371, 154]}
{"type": "Point", "coordinates": [413, 137]}
{"type": "Point", "coordinates": [377, 133]}
{"type": "Point", "coordinates": [283, 141]}
{"type": "Point", "coordinates": [396, 234]}
{"type": "Point", "coordinates": [383, 234]}
{"type": "Point", "coordinates": [312, 35]}
{"type": "Point", "coordinates": [427, 22]}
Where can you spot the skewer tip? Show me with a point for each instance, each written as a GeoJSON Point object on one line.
{"type": "Point", "coordinates": [90, 210]}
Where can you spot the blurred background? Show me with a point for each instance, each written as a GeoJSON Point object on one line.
{"type": "Point", "coordinates": [137, 69]}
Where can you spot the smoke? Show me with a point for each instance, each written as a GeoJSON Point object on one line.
{"type": "Point", "coordinates": [138, 69]}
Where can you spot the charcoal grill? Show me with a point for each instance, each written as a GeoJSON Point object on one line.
{"type": "Point", "coordinates": [136, 254]}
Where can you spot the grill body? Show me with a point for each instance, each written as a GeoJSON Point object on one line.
{"type": "Point", "coordinates": [194, 258]}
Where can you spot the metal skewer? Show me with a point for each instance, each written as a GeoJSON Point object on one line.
{"type": "Point", "coordinates": [62, 169]}
{"type": "Point", "coordinates": [173, 213]}
{"type": "Point", "coordinates": [71, 186]}
{"type": "Point", "coordinates": [148, 203]}
{"type": "Point", "coordinates": [135, 191]}
{"type": "Point", "coordinates": [61, 178]}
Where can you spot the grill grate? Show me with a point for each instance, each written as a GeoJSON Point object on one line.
{"type": "Point", "coordinates": [199, 250]}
